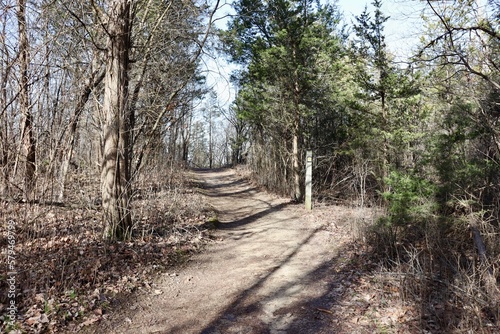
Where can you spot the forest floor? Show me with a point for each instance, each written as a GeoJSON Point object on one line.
{"type": "Point", "coordinates": [274, 268]}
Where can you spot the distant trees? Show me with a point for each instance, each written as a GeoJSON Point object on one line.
{"type": "Point", "coordinates": [98, 86]}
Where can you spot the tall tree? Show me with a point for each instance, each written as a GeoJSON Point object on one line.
{"type": "Point", "coordinates": [281, 42]}
{"type": "Point", "coordinates": [374, 74]}
{"type": "Point", "coordinates": [159, 99]}
{"type": "Point", "coordinates": [27, 136]}
{"type": "Point", "coordinates": [115, 161]}
{"type": "Point", "coordinates": [6, 152]}
{"type": "Point", "coordinates": [387, 97]}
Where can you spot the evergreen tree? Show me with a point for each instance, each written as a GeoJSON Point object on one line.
{"type": "Point", "coordinates": [387, 98]}
{"type": "Point", "coordinates": [283, 45]}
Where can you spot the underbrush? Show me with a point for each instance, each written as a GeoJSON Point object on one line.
{"type": "Point", "coordinates": [435, 255]}
{"type": "Point", "coordinates": [65, 275]}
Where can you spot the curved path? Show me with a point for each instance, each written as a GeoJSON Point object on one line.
{"type": "Point", "coordinates": [268, 273]}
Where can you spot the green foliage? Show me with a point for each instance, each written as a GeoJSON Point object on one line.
{"type": "Point", "coordinates": [465, 165]}
{"type": "Point", "coordinates": [292, 52]}
{"type": "Point", "coordinates": [389, 118]}
{"type": "Point", "coordinates": [410, 199]}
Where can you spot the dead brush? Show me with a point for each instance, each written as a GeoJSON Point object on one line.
{"type": "Point", "coordinates": [163, 207]}
{"type": "Point", "coordinates": [442, 275]}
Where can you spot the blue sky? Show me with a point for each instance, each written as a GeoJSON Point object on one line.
{"type": "Point", "coordinates": [403, 30]}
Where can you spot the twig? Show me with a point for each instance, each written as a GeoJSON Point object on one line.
{"type": "Point", "coordinates": [324, 310]}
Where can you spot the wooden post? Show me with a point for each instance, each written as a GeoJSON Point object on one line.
{"type": "Point", "coordinates": [309, 160]}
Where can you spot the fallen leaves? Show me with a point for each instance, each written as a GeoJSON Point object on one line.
{"type": "Point", "coordinates": [365, 299]}
{"type": "Point", "coordinates": [68, 277]}
{"type": "Point", "coordinates": [89, 321]}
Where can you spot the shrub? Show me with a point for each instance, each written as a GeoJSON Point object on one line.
{"type": "Point", "coordinates": [410, 199]}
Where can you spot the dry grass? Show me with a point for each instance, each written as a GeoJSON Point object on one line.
{"type": "Point", "coordinates": [439, 272]}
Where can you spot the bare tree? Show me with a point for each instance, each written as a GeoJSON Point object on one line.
{"type": "Point", "coordinates": [5, 100]}
{"type": "Point", "coordinates": [27, 136]}
{"type": "Point", "coordinates": [115, 177]}
{"type": "Point", "coordinates": [95, 79]}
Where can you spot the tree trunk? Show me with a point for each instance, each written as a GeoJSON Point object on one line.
{"type": "Point", "coordinates": [27, 138]}
{"type": "Point", "coordinates": [210, 142]}
{"type": "Point", "coordinates": [385, 145]}
{"type": "Point", "coordinates": [296, 165]}
{"type": "Point", "coordinates": [115, 175]}
{"type": "Point", "coordinates": [186, 135]}
{"type": "Point", "coordinates": [295, 140]}
{"type": "Point", "coordinates": [4, 159]}
{"type": "Point", "coordinates": [4, 136]}
{"type": "Point", "coordinates": [92, 82]}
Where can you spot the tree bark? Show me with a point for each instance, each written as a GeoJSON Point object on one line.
{"type": "Point", "coordinates": [4, 137]}
{"type": "Point", "coordinates": [4, 158]}
{"type": "Point", "coordinates": [296, 165]}
{"type": "Point", "coordinates": [295, 140]}
{"type": "Point", "coordinates": [210, 141]}
{"type": "Point", "coordinates": [186, 136]}
{"type": "Point", "coordinates": [5, 143]}
{"type": "Point", "coordinates": [115, 175]}
{"type": "Point", "coordinates": [27, 137]}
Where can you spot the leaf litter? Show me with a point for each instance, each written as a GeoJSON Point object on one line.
{"type": "Point", "coordinates": [68, 277]}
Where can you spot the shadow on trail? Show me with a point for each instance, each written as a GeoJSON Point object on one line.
{"type": "Point", "coordinates": [222, 184]}
{"type": "Point", "coordinates": [252, 218]}
{"type": "Point", "coordinates": [238, 193]}
{"type": "Point", "coordinates": [240, 306]}
{"type": "Point", "coordinates": [259, 309]}
{"type": "Point", "coordinates": [209, 170]}
{"type": "Point", "coordinates": [246, 312]}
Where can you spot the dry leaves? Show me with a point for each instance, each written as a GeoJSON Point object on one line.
{"type": "Point", "coordinates": [68, 277]}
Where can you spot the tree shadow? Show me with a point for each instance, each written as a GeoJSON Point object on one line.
{"type": "Point", "coordinates": [247, 314]}
{"type": "Point", "coordinates": [349, 281]}
{"type": "Point", "coordinates": [237, 193]}
{"type": "Point", "coordinates": [252, 218]}
{"type": "Point", "coordinates": [240, 306]}
{"type": "Point", "coordinates": [222, 183]}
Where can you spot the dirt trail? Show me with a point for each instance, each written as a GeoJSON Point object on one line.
{"type": "Point", "coordinates": [267, 274]}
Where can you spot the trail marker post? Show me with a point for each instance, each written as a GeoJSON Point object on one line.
{"type": "Point", "coordinates": [309, 162]}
